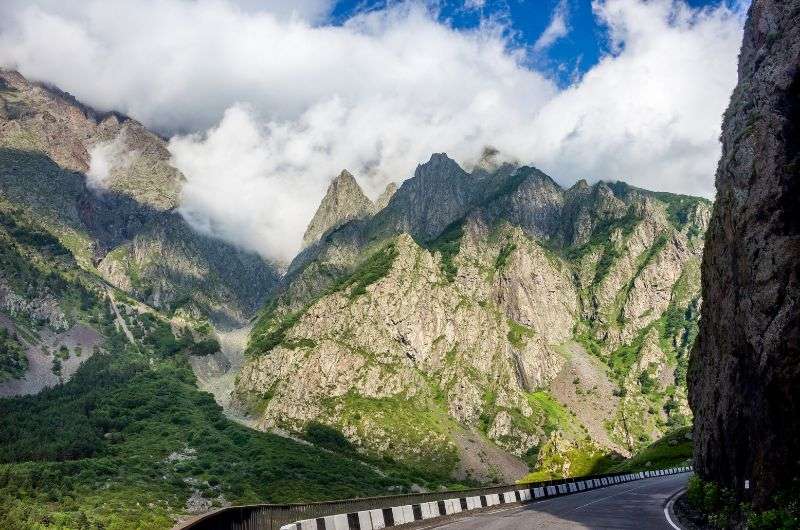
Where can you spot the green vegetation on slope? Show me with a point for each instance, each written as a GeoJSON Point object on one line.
{"type": "Point", "coordinates": [679, 206]}
{"type": "Point", "coordinates": [502, 257]}
{"type": "Point", "coordinates": [448, 245]}
{"type": "Point", "coordinates": [13, 361]}
{"type": "Point", "coordinates": [271, 327]}
{"type": "Point", "coordinates": [35, 264]}
{"type": "Point", "coordinates": [576, 459]}
{"type": "Point", "coordinates": [568, 451]}
{"type": "Point", "coordinates": [128, 439]}
{"type": "Point", "coordinates": [680, 322]}
{"type": "Point", "coordinates": [518, 334]}
{"type": "Point", "coordinates": [673, 449]}
{"type": "Point", "coordinates": [372, 269]}
{"type": "Point", "coordinates": [601, 237]}
{"type": "Point", "coordinates": [583, 457]}
{"type": "Point", "coordinates": [415, 435]}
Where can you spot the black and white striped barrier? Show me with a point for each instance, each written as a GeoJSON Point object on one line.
{"type": "Point", "coordinates": [410, 513]}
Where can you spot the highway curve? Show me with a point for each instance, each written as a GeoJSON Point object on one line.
{"type": "Point", "coordinates": [638, 505]}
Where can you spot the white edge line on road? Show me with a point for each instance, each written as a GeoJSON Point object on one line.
{"type": "Point", "coordinates": [668, 508]}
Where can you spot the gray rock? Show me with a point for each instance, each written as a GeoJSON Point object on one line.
{"type": "Point", "coordinates": [343, 202]}
{"type": "Point", "coordinates": [745, 370]}
{"type": "Point", "coordinates": [120, 220]}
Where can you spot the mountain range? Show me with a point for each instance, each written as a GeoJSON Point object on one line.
{"type": "Point", "coordinates": [468, 326]}
{"type": "Point", "coordinates": [491, 321]}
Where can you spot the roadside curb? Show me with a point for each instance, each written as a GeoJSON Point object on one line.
{"type": "Point", "coordinates": [669, 509]}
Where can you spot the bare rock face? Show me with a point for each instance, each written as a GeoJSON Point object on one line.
{"type": "Point", "coordinates": [494, 306]}
{"type": "Point", "coordinates": [383, 199]}
{"type": "Point", "coordinates": [102, 183]}
{"type": "Point", "coordinates": [416, 342]}
{"type": "Point", "coordinates": [343, 202]}
{"type": "Point", "coordinates": [439, 193]}
{"type": "Point", "coordinates": [745, 372]}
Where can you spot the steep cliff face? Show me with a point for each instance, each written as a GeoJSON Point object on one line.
{"type": "Point", "coordinates": [745, 372]}
{"type": "Point", "coordinates": [425, 205]}
{"type": "Point", "coordinates": [102, 183]}
{"type": "Point", "coordinates": [477, 313]}
{"type": "Point", "coordinates": [466, 352]}
{"type": "Point", "coordinates": [343, 202]}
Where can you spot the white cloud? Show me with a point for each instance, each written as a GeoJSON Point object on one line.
{"type": "Point", "coordinates": [556, 29]}
{"type": "Point", "coordinates": [106, 157]}
{"type": "Point", "coordinates": [310, 10]}
{"type": "Point", "coordinates": [474, 4]}
{"type": "Point", "coordinates": [651, 113]}
{"type": "Point", "coordinates": [286, 101]}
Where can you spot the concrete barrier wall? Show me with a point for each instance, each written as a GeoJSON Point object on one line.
{"type": "Point", "coordinates": [410, 513]}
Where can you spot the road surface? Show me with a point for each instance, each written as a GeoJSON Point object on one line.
{"type": "Point", "coordinates": [639, 504]}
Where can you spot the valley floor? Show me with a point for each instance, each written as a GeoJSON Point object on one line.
{"type": "Point", "coordinates": [216, 374]}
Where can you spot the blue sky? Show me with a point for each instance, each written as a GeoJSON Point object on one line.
{"type": "Point", "coordinates": [573, 54]}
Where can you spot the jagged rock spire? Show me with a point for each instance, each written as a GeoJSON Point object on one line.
{"type": "Point", "coordinates": [344, 201]}
{"type": "Point", "coordinates": [384, 198]}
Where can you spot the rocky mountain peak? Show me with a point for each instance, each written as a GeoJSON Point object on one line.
{"type": "Point", "coordinates": [438, 194]}
{"type": "Point", "coordinates": [440, 167]}
{"type": "Point", "coordinates": [580, 186]}
{"type": "Point", "coordinates": [117, 153]}
{"type": "Point", "coordinates": [344, 201]}
{"type": "Point", "coordinates": [103, 184]}
{"type": "Point", "coordinates": [383, 199]}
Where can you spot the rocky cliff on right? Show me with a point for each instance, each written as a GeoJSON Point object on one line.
{"type": "Point", "coordinates": [744, 377]}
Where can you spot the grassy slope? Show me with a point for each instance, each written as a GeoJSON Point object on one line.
{"type": "Point", "coordinates": [96, 450]}
{"type": "Point", "coordinates": [673, 449]}
{"type": "Point", "coordinates": [573, 449]}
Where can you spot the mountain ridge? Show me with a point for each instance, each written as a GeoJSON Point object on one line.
{"type": "Point", "coordinates": [495, 250]}
{"type": "Point", "coordinates": [119, 220]}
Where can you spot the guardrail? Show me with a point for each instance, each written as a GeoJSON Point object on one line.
{"type": "Point", "coordinates": [375, 513]}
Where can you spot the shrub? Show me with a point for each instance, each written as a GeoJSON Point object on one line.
{"type": "Point", "coordinates": [518, 334]}
{"type": "Point", "coordinates": [13, 360]}
{"type": "Point", "coordinates": [505, 253]}
{"type": "Point", "coordinates": [327, 437]}
{"type": "Point", "coordinates": [448, 244]}
{"type": "Point", "coordinates": [207, 346]}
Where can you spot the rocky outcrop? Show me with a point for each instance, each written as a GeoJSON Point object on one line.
{"type": "Point", "coordinates": [102, 183]}
{"type": "Point", "coordinates": [44, 308]}
{"type": "Point", "coordinates": [344, 201]}
{"type": "Point", "coordinates": [383, 199]}
{"type": "Point", "coordinates": [471, 300]}
{"type": "Point", "coordinates": [414, 340]}
{"type": "Point", "coordinates": [438, 194]}
{"type": "Point", "coordinates": [745, 371]}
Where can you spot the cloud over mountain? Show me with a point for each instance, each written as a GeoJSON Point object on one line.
{"type": "Point", "coordinates": [268, 103]}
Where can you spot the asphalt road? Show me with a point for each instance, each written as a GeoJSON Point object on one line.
{"type": "Point", "coordinates": [639, 504]}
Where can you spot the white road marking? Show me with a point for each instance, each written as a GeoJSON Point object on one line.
{"type": "Point", "coordinates": [669, 505]}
